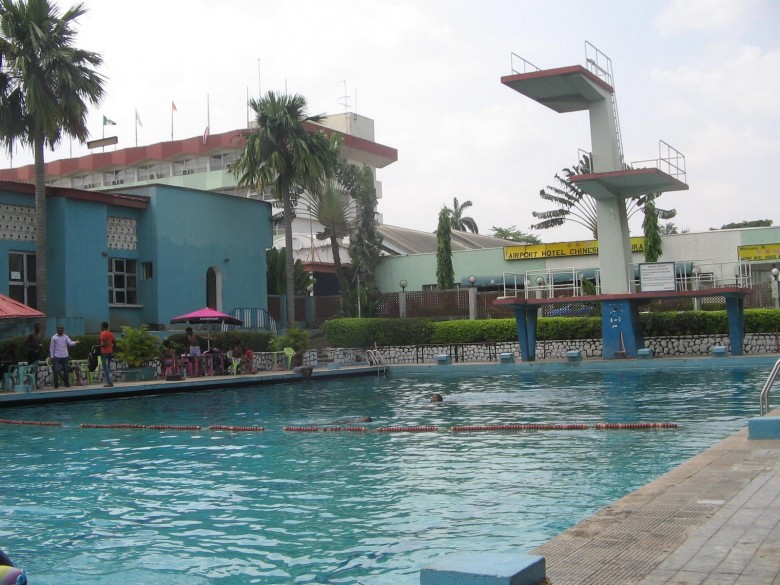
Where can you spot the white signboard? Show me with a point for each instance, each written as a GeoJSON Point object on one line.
{"type": "Point", "coordinates": [657, 277]}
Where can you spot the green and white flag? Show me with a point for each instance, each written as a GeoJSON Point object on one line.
{"type": "Point", "coordinates": [107, 122]}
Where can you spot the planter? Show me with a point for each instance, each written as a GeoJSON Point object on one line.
{"type": "Point", "coordinates": [142, 374]}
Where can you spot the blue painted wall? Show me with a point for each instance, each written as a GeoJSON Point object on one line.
{"type": "Point", "coordinates": [181, 234]}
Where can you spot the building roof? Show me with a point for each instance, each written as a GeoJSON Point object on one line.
{"type": "Point", "coordinates": [371, 152]}
{"type": "Point", "coordinates": [117, 199]}
{"type": "Point", "coordinates": [398, 241]}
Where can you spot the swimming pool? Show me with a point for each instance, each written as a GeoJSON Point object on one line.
{"type": "Point", "coordinates": [136, 506]}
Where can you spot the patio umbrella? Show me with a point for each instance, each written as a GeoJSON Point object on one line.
{"type": "Point", "coordinates": [208, 316]}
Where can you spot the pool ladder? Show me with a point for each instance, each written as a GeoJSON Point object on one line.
{"type": "Point", "coordinates": [374, 358]}
{"type": "Point", "coordinates": [768, 386]}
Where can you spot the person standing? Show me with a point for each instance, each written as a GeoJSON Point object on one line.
{"type": "Point", "coordinates": [33, 344]}
{"type": "Point", "coordinates": [58, 352]}
{"type": "Point", "coordinates": [106, 353]}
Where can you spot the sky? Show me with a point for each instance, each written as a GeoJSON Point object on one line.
{"type": "Point", "coordinates": [701, 75]}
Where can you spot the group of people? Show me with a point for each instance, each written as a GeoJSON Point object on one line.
{"type": "Point", "coordinates": [60, 357]}
{"type": "Point", "coordinates": [240, 351]}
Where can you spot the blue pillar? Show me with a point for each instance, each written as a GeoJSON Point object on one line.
{"type": "Point", "coordinates": [620, 328]}
{"type": "Point", "coordinates": [735, 311]}
{"type": "Point", "coordinates": [525, 318]}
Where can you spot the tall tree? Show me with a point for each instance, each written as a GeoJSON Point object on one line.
{"type": "Point", "coordinates": [280, 152]}
{"type": "Point", "coordinates": [576, 206]}
{"type": "Point", "coordinates": [458, 220]}
{"type": "Point", "coordinates": [365, 242]}
{"type": "Point", "coordinates": [445, 274]}
{"type": "Point", "coordinates": [653, 248]}
{"type": "Point", "coordinates": [46, 85]}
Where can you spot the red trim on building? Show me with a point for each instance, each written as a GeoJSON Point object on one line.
{"type": "Point", "coordinates": [116, 199]}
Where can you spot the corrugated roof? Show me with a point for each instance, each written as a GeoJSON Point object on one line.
{"type": "Point", "coordinates": [400, 241]}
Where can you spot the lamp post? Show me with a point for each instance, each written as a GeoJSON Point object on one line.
{"type": "Point", "coordinates": [472, 298]}
{"type": "Point", "coordinates": [402, 299]}
{"type": "Point", "coordinates": [776, 288]}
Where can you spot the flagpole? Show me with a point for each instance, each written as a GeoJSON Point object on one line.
{"type": "Point", "coordinates": [172, 111]}
{"type": "Point", "coordinates": [136, 126]}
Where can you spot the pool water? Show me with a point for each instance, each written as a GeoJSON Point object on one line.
{"type": "Point", "coordinates": [133, 506]}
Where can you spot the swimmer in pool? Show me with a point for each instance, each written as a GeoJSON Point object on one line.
{"type": "Point", "coordinates": [437, 398]}
{"type": "Point", "coordinates": [350, 421]}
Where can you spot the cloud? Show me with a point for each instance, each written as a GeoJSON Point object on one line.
{"type": "Point", "coordinates": [711, 16]}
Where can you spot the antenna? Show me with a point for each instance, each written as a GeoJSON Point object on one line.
{"type": "Point", "coordinates": [344, 100]}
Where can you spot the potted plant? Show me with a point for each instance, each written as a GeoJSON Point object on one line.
{"type": "Point", "coordinates": [137, 347]}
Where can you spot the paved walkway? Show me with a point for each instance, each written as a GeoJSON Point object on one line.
{"type": "Point", "coordinates": [713, 520]}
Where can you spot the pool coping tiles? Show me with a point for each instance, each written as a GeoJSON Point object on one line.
{"type": "Point", "coordinates": [713, 520]}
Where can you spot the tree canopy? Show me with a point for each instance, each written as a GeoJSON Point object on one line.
{"type": "Point", "coordinates": [445, 275]}
{"type": "Point", "coordinates": [515, 235]}
{"type": "Point", "coordinates": [458, 220]}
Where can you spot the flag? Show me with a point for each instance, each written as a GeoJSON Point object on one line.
{"type": "Point", "coordinates": [138, 119]}
{"type": "Point", "coordinates": [173, 107]}
{"type": "Point", "coordinates": [107, 122]}
{"type": "Point", "coordinates": [205, 135]}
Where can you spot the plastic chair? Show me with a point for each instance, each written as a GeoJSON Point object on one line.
{"type": "Point", "coordinates": [289, 353]}
{"type": "Point", "coordinates": [235, 363]}
{"type": "Point", "coordinates": [71, 373]}
{"type": "Point", "coordinates": [24, 374]}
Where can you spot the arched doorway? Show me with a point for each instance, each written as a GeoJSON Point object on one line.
{"type": "Point", "coordinates": [214, 288]}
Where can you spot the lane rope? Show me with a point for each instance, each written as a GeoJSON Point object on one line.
{"type": "Point", "coordinates": [406, 430]}
{"type": "Point", "coordinates": [233, 428]}
{"type": "Point", "coordinates": [528, 427]}
{"type": "Point", "coordinates": [655, 425]}
{"type": "Point", "coordinates": [36, 423]}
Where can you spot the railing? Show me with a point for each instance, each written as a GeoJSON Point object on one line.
{"type": "Point", "coordinates": [601, 66]}
{"type": "Point", "coordinates": [764, 398]}
{"type": "Point", "coordinates": [706, 274]}
{"type": "Point", "coordinates": [548, 283]}
{"type": "Point", "coordinates": [253, 318]}
{"type": "Point", "coordinates": [520, 65]}
{"type": "Point", "coordinates": [670, 160]}
{"type": "Point", "coordinates": [374, 358]}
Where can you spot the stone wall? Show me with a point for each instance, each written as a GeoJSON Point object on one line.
{"type": "Point", "coordinates": [689, 345]}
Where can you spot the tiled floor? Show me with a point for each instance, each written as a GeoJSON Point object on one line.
{"type": "Point", "coordinates": [713, 520]}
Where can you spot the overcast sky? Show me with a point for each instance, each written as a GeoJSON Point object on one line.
{"type": "Point", "coordinates": [702, 75]}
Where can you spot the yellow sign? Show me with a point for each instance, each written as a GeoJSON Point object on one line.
{"type": "Point", "coordinates": [758, 252]}
{"type": "Point", "coordinates": [558, 249]}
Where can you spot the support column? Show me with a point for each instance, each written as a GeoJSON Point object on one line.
{"type": "Point", "coordinates": [735, 312]}
{"type": "Point", "coordinates": [525, 318]}
{"type": "Point", "coordinates": [620, 329]}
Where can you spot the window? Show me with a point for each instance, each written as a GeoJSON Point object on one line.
{"type": "Point", "coordinates": [147, 270]}
{"type": "Point", "coordinates": [21, 278]}
{"type": "Point", "coordinates": [122, 282]}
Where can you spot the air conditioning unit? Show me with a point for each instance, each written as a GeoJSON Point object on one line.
{"type": "Point", "coordinates": [152, 176]}
{"type": "Point", "coordinates": [117, 182]}
{"type": "Point", "coordinates": [89, 186]}
{"type": "Point", "coordinates": [187, 172]}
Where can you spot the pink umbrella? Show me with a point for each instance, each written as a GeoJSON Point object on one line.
{"type": "Point", "coordinates": [208, 316]}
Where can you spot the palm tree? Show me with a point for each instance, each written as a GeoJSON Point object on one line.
{"type": "Point", "coordinates": [458, 220]}
{"type": "Point", "coordinates": [331, 206]}
{"type": "Point", "coordinates": [280, 152]}
{"type": "Point", "coordinates": [46, 85]}
{"type": "Point", "coordinates": [576, 206]}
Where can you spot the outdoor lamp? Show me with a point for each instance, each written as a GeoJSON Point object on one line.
{"type": "Point", "coordinates": [775, 273]}
{"type": "Point", "coordinates": [540, 281]}
{"type": "Point", "coordinates": [472, 280]}
{"type": "Point", "coordinates": [696, 271]}
{"type": "Point", "coordinates": [402, 283]}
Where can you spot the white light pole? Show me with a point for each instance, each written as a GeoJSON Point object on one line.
{"type": "Point", "coordinates": [776, 287]}
{"type": "Point", "coordinates": [472, 298]}
{"type": "Point", "coordinates": [402, 299]}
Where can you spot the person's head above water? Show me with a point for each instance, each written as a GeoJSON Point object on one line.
{"type": "Point", "coordinates": [437, 398]}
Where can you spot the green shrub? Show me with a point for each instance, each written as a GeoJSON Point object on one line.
{"type": "Point", "coordinates": [137, 346]}
{"type": "Point", "coordinates": [294, 338]}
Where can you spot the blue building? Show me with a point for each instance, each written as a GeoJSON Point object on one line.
{"type": "Point", "coordinates": [144, 255]}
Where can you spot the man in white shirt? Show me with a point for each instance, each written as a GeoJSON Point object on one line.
{"type": "Point", "coordinates": [58, 352]}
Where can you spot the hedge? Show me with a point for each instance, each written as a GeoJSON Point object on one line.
{"type": "Point", "coordinates": [364, 332]}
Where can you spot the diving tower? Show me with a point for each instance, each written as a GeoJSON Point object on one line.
{"type": "Point", "coordinates": [611, 181]}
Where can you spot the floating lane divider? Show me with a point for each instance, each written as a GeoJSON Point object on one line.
{"type": "Point", "coordinates": [112, 426]}
{"type": "Point", "coordinates": [344, 430]}
{"type": "Point", "coordinates": [655, 425]}
{"type": "Point", "coordinates": [229, 428]}
{"type": "Point", "coordinates": [407, 430]}
{"type": "Point", "coordinates": [36, 423]}
{"type": "Point", "coordinates": [173, 427]}
{"type": "Point", "coordinates": [301, 429]}
{"type": "Point", "coordinates": [529, 427]}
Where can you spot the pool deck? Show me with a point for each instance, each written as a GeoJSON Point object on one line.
{"type": "Point", "coordinates": [715, 519]}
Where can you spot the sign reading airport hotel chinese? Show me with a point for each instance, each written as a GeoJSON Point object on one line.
{"type": "Point", "coordinates": [561, 249]}
{"type": "Point", "coordinates": [759, 252]}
